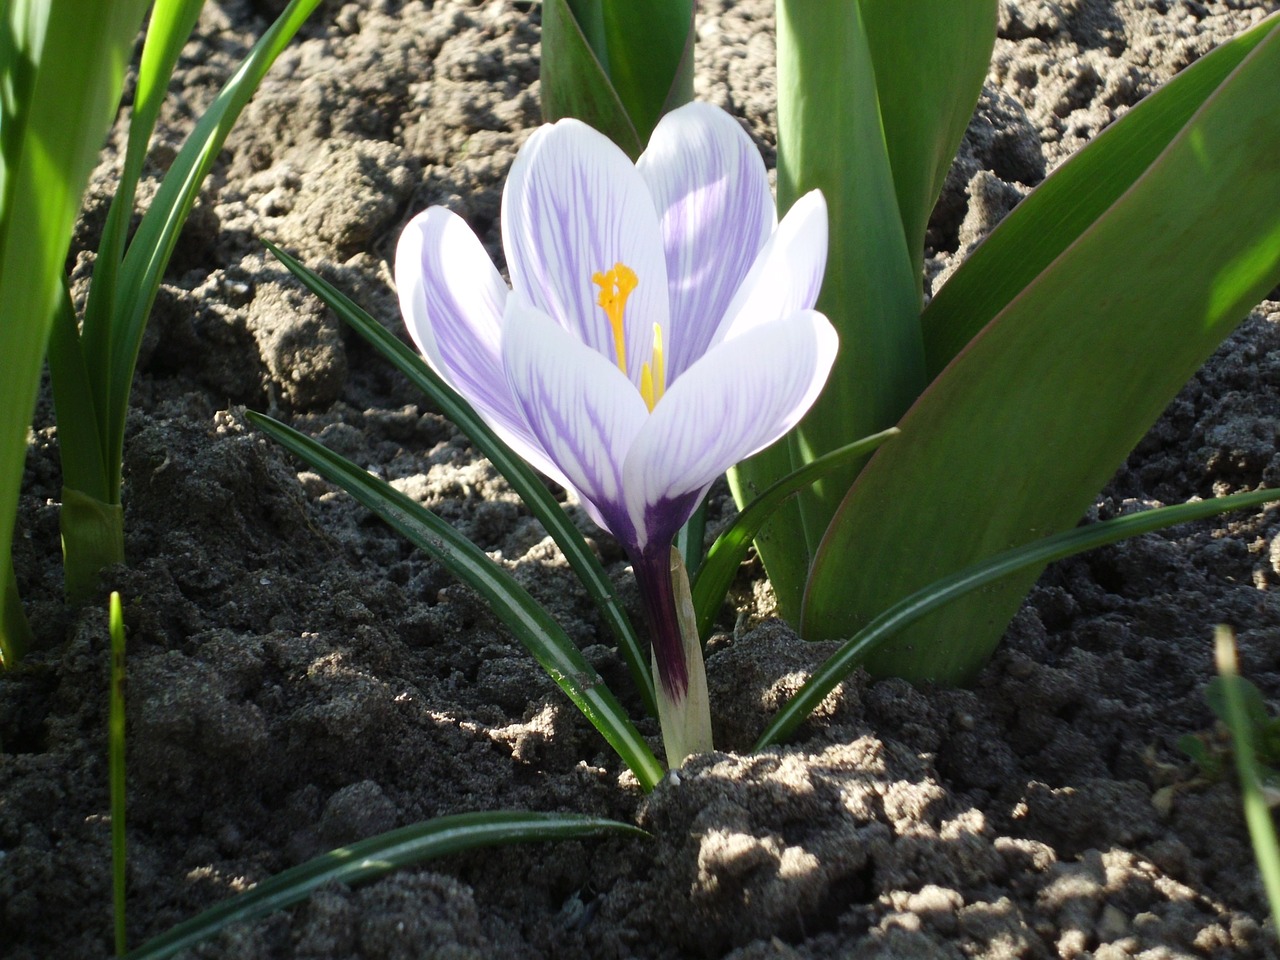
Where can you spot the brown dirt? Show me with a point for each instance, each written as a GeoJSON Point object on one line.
{"type": "Point", "coordinates": [300, 678]}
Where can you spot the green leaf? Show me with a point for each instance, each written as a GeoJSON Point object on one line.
{"type": "Point", "coordinates": [931, 58]}
{"type": "Point", "coordinates": [938, 595]}
{"type": "Point", "coordinates": [830, 137]}
{"type": "Point", "coordinates": [62, 66]}
{"type": "Point", "coordinates": [375, 857]}
{"type": "Point", "coordinates": [115, 764]}
{"type": "Point", "coordinates": [576, 84]}
{"type": "Point", "coordinates": [509, 602]}
{"type": "Point", "coordinates": [650, 63]}
{"type": "Point", "coordinates": [524, 481]}
{"type": "Point", "coordinates": [1015, 437]}
{"type": "Point", "coordinates": [1257, 813]}
{"type": "Point", "coordinates": [168, 30]}
{"type": "Point", "coordinates": [112, 338]}
{"type": "Point", "coordinates": [726, 554]}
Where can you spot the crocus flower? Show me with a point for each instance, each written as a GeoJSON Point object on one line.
{"type": "Point", "coordinates": [658, 328]}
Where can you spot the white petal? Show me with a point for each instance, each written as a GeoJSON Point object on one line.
{"type": "Point", "coordinates": [712, 193]}
{"type": "Point", "coordinates": [583, 411]}
{"type": "Point", "coordinates": [735, 401]}
{"type": "Point", "coordinates": [787, 274]}
{"type": "Point", "coordinates": [574, 206]}
{"type": "Point", "coordinates": [453, 300]}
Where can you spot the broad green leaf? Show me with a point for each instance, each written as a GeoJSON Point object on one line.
{"type": "Point", "coordinates": [375, 857]}
{"type": "Point", "coordinates": [938, 595]}
{"type": "Point", "coordinates": [931, 58]}
{"type": "Point", "coordinates": [576, 84]}
{"type": "Point", "coordinates": [1257, 813]}
{"type": "Point", "coordinates": [524, 481]}
{"type": "Point", "coordinates": [1015, 437]}
{"type": "Point", "coordinates": [830, 138]}
{"type": "Point", "coordinates": [1057, 212]}
{"type": "Point", "coordinates": [508, 601]}
{"type": "Point", "coordinates": [650, 45]}
{"type": "Point", "coordinates": [62, 66]}
{"type": "Point", "coordinates": [713, 580]}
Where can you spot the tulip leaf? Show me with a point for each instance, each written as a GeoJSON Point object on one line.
{"type": "Point", "coordinates": [116, 768]}
{"type": "Point", "coordinates": [528, 621]}
{"type": "Point", "coordinates": [943, 592]}
{"type": "Point", "coordinates": [722, 561]}
{"type": "Point", "coordinates": [519, 474]}
{"type": "Point", "coordinates": [576, 84]}
{"type": "Point", "coordinates": [830, 137]}
{"type": "Point", "coordinates": [1015, 437]}
{"type": "Point", "coordinates": [931, 58]}
{"type": "Point", "coordinates": [376, 857]}
{"type": "Point", "coordinates": [650, 45]}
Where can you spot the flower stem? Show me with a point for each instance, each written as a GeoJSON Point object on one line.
{"type": "Point", "coordinates": [683, 707]}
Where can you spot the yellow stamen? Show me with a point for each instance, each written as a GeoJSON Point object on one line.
{"type": "Point", "coordinates": [615, 286]}
{"type": "Point", "coordinates": [653, 376]}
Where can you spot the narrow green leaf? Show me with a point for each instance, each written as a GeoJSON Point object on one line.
{"type": "Point", "coordinates": [375, 857]}
{"type": "Point", "coordinates": [153, 243]}
{"type": "Point", "coordinates": [62, 64]}
{"type": "Point", "coordinates": [509, 602]}
{"type": "Point", "coordinates": [168, 30]}
{"type": "Point", "coordinates": [931, 58]}
{"type": "Point", "coordinates": [524, 481]}
{"type": "Point", "coordinates": [115, 760]}
{"type": "Point", "coordinates": [576, 84]}
{"type": "Point", "coordinates": [1016, 436]}
{"type": "Point", "coordinates": [1257, 813]}
{"type": "Point", "coordinates": [939, 594]}
{"type": "Point", "coordinates": [717, 572]}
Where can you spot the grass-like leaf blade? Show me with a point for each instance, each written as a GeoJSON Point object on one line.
{"type": "Point", "coordinates": [716, 572]}
{"type": "Point", "coordinates": [919, 604]}
{"type": "Point", "coordinates": [372, 858]}
{"type": "Point", "coordinates": [509, 602]}
{"type": "Point", "coordinates": [524, 481]}
{"type": "Point", "coordinates": [1262, 830]}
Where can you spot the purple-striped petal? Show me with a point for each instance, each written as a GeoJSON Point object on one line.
{"type": "Point", "coordinates": [573, 206]}
{"type": "Point", "coordinates": [583, 411]}
{"type": "Point", "coordinates": [716, 211]}
{"type": "Point", "coordinates": [787, 274]}
{"type": "Point", "coordinates": [453, 301]}
{"type": "Point", "coordinates": [736, 400]}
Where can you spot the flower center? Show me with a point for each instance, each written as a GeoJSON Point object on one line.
{"type": "Point", "coordinates": [616, 286]}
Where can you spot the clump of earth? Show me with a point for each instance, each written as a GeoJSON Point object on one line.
{"type": "Point", "coordinates": [300, 678]}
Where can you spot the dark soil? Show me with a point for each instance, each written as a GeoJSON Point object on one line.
{"type": "Point", "coordinates": [300, 678]}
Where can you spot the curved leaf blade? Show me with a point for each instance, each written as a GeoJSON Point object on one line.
{"type": "Point", "coordinates": [509, 602]}
{"type": "Point", "coordinates": [931, 58]}
{"type": "Point", "coordinates": [717, 570]}
{"type": "Point", "coordinates": [372, 858]}
{"type": "Point", "coordinates": [1077, 194]}
{"type": "Point", "coordinates": [576, 84]}
{"type": "Point", "coordinates": [1016, 436]}
{"type": "Point", "coordinates": [519, 474]}
{"type": "Point", "coordinates": [935, 596]}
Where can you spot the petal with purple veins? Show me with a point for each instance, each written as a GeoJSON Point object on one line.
{"type": "Point", "coordinates": [787, 273]}
{"type": "Point", "coordinates": [716, 212]}
{"type": "Point", "coordinates": [736, 400]}
{"type": "Point", "coordinates": [575, 206]}
{"type": "Point", "coordinates": [583, 411]}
